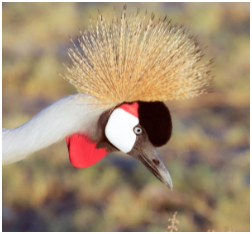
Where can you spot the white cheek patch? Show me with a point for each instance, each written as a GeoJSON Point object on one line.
{"type": "Point", "coordinates": [119, 130]}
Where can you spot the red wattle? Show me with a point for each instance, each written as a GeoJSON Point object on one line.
{"type": "Point", "coordinates": [130, 108]}
{"type": "Point", "coordinates": [83, 152]}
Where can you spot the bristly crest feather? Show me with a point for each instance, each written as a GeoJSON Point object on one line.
{"type": "Point", "coordinates": [128, 60]}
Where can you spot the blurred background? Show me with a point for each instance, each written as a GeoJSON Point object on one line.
{"type": "Point", "coordinates": [207, 156]}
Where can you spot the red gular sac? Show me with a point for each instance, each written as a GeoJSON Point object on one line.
{"type": "Point", "coordinates": [83, 152]}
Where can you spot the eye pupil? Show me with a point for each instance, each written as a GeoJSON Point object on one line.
{"type": "Point", "coordinates": [138, 130]}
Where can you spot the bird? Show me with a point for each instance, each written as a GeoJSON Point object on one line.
{"type": "Point", "coordinates": [124, 69]}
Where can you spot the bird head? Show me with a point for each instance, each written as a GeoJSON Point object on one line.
{"type": "Point", "coordinates": [130, 66]}
{"type": "Point", "coordinates": [135, 129]}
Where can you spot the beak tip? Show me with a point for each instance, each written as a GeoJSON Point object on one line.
{"type": "Point", "coordinates": [170, 185]}
{"type": "Point", "coordinates": [166, 179]}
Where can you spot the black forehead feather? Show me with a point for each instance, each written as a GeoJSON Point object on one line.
{"type": "Point", "coordinates": [156, 120]}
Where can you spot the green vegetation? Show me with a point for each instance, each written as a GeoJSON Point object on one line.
{"type": "Point", "coordinates": [208, 155]}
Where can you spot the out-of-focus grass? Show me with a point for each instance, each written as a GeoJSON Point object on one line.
{"type": "Point", "coordinates": [208, 155]}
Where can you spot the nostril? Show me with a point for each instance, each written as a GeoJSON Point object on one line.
{"type": "Point", "coordinates": [155, 161]}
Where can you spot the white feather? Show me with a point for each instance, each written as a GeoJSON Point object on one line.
{"type": "Point", "coordinates": [67, 116]}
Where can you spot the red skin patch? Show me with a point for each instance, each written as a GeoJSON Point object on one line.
{"type": "Point", "coordinates": [130, 108]}
{"type": "Point", "coordinates": [83, 152]}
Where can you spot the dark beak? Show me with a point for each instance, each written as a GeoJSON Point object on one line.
{"type": "Point", "coordinates": [155, 165]}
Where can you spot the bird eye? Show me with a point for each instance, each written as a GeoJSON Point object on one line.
{"type": "Point", "coordinates": [138, 130]}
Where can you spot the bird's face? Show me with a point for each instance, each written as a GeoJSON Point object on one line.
{"type": "Point", "coordinates": [132, 128]}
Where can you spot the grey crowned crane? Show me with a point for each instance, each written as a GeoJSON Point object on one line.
{"type": "Point", "coordinates": [124, 69]}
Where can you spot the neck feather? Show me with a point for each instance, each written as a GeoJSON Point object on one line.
{"type": "Point", "coordinates": [67, 116]}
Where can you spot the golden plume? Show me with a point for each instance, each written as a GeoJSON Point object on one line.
{"type": "Point", "coordinates": [129, 59]}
